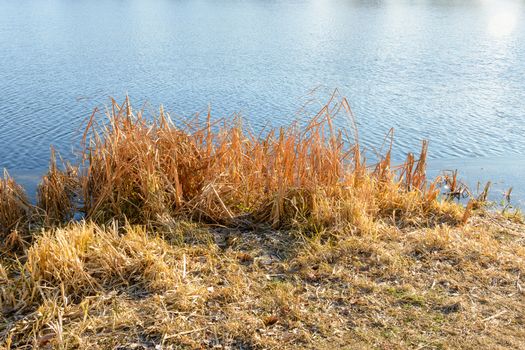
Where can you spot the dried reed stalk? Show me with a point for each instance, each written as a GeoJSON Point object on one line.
{"type": "Point", "coordinates": [145, 168]}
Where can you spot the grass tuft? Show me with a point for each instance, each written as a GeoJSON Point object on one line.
{"type": "Point", "coordinates": [58, 192]}
{"type": "Point", "coordinates": [15, 212]}
{"type": "Point", "coordinates": [84, 259]}
{"type": "Point", "coordinates": [142, 169]}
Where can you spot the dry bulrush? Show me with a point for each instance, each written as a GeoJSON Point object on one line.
{"type": "Point", "coordinates": [316, 249]}
{"type": "Point", "coordinates": [58, 192]}
{"type": "Point", "coordinates": [142, 169]}
{"type": "Point", "coordinates": [15, 211]}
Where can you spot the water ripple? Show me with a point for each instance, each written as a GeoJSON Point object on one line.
{"type": "Point", "coordinates": [431, 70]}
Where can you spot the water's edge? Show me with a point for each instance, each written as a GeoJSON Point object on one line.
{"type": "Point", "coordinates": [503, 173]}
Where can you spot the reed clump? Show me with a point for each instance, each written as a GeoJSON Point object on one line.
{"type": "Point", "coordinates": [15, 212]}
{"type": "Point", "coordinates": [142, 168]}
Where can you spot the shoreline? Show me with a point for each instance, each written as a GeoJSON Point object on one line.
{"type": "Point", "coordinates": [218, 239]}
{"type": "Point", "coordinates": [502, 172]}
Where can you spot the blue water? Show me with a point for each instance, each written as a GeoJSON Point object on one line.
{"type": "Point", "coordinates": [450, 71]}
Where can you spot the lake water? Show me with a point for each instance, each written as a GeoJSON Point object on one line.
{"type": "Point", "coordinates": [450, 71]}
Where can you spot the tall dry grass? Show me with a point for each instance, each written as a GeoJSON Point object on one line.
{"type": "Point", "coordinates": [58, 192]}
{"type": "Point", "coordinates": [143, 168]}
{"type": "Point", "coordinates": [15, 211]}
{"type": "Point", "coordinates": [140, 169]}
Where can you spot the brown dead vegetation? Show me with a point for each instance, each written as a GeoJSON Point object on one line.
{"type": "Point", "coordinates": [201, 234]}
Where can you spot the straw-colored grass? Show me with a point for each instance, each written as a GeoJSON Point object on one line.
{"type": "Point", "coordinates": [144, 168]}
{"type": "Point", "coordinates": [57, 192]}
{"type": "Point", "coordinates": [140, 169]}
{"type": "Point", "coordinates": [15, 212]}
{"type": "Point", "coordinates": [201, 234]}
{"type": "Point", "coordinates": [89, 287]}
